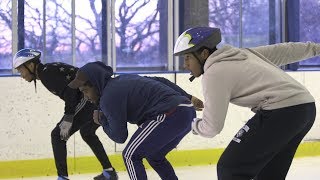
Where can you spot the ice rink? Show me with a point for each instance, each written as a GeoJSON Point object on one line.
{"type": "Point", "coordinates": [301, 169]}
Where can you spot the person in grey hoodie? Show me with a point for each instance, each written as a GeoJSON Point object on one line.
{"type": "Point", "coordinates": [284, 109]}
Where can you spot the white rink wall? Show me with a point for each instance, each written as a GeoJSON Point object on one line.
{"type": "Point", "coordinates": [27, 119]}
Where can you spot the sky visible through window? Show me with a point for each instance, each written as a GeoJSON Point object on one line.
{"type": "Point", "coordinates": [138, 41]}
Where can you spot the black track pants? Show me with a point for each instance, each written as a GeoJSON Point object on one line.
{"type": "Point", "coordinates": [264, 148]}
{"type": "Point", "coordinates": [83, 122]}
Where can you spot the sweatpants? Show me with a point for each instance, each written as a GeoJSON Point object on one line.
{"type": "Point", "coordinates": [83, 121]}
{"type": "Point", "coordinates": [264, 147]}
{"type": "Point", "coordinates": [154, 139]}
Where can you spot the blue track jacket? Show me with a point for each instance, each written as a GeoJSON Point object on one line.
{"type": "Point", "coordinates": [131, 98]}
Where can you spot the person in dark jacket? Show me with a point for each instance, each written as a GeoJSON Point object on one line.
{"type": "Point", "coordinates": [77, 110]}
{"type": "Point", "coordinates": [162, 111]}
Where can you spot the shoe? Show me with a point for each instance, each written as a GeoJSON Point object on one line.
{"type": "Point", "coordinates": [62, 178]}
{"type": "Point", "coordinates": [107, 175]}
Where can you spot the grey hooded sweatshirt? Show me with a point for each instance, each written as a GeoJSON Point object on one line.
{"type": "Point", "coordinates": [251, 78]}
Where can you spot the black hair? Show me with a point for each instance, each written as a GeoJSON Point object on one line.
{"type": "Point", "coordinates": [88, 83]}
{"type": "Point", "coordinates": [36, 61]}
{"type": "Point", "coordinates": [199, 51]}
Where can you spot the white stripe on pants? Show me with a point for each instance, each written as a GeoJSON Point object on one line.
{"type": "Point", "coordinates": [137, 141]}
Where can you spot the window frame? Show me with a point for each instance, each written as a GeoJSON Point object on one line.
{"type": "Point", "coordinates": [289, 27]}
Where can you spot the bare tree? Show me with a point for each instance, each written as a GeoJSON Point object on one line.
{"type": "Point", "coordinates": [132, 34]}
{"type": "Point", "coordinates": [6, 25]}
{"type": "Point", "coordinates": [139, 36]}
{"type": "Point", "coordinates": [310, 24]}
{"type": "Point", "coordinates": [226, 16]}
{"type": "Point", "coordinates": [162, 7]}
{"type": "Point", "coordinates": [58, 28]}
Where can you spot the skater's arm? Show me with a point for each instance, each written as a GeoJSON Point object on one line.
{"type": "Point", "coordinates": [114, 120]}
{"type": "Point", "coordinates": [216, 104]}
{"type": "Point", "coordinates": [286, 53]}
{"type": "Point", "coordinates": [71, 98]}
{"type": "Point", "coordinates": [172, 85]}
{"type": "Point", "coordinates": [197, 103]}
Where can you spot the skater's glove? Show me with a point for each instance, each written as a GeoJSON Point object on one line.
{"type": "Point", "coordinates": [97, 116]}
{"type": "Point", "coordinates": [65, 126]}
{"type": "Point", "coordinates": [197, 103]}
{"type": "Point", "coordinates": [195, 124]}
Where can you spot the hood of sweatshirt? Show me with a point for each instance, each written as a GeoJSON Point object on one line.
{"type": "Point", "coordinates": [226, 53]}
{"type": "Point", "coordinates": [98, 74]}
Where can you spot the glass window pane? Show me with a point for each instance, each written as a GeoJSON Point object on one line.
{"type": "Point", "coordinates": [139, 45]}
{"type": "Point", "coordinates": [58, 31]}
{"type": "Point", "coordinates": [5, 37]}
{"type": "Point", "coordinates": [310, 26]}
{"type": "Point", "coordinates": [88, 31]}
{"type": "Point", "coordinates": [224, 14]}
{"type": "Point", "coordinates": [261, 23]}
{"type": "Point", "coordinates": [33, 24]}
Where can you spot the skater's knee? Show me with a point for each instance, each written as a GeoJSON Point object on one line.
{"type": "Point", "coordinates": [125, 154]}
{"type": "Point", "coordinates": [156, 160]}
{"type": "Point", "coordinates": [224, 173]}
{"type": "Point", "coordinates": [55, 133]}
{"type": "Point", "coordinates": [228, 170]}
{"type": "Point", "coordinates": [129, 154]}
{"type": "Point", "coordinates": [155, 163]}
{"type": "Point", "coordinates": [219, 168]}
{"type": "Point", "coordinates": [88, 136]}
{"type": "Point", "coordinates": [224, 170]}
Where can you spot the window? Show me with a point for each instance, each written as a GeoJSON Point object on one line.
{"type": "Point", "coordinates": [135, 35]}
{"type": "Point", "coordinates": [226, 16]}
{"type": "Point", "coordinates": [140, 45]}
{"type": "Point", "coordinates": [246, 23]}
{"type": "Point", "coordinates": [261, 23]}
{"type": "Point", "coordinates": [33, 25]}
{"type": "Point", "coordinates": [309, 28]}
{"type": "Point", "coordinates": [140, 33]}
{"type": "Point", "coordinates": [5, 37]}
{"type": "Point", "coordinates": [58, 32]}
{"type": "Point", "coordinates": [88, 24]}
{"type": "Point", "coordinates": [302, 25]}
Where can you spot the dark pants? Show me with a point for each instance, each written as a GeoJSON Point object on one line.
{"type": "Point", "coordinates": [153, 140]}
{"type": "Point", "coordinates": [83, 121]}
{"type": "Point", "coordinates": [264, 148]}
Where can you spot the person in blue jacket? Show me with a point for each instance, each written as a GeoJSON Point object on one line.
{"type": "Point", "coordinates": [161, 109]}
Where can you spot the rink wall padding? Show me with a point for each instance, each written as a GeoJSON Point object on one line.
{"type": "Point", "coordinates": [82, 165]}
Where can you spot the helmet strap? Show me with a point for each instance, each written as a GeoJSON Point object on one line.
{"type": "Point", "coordinates": [34, 76]}
{"type": "Point", "coordinates": [201, 64]}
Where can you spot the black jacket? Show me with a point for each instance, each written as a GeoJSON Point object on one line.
{"type": "Point", "coordinates": [56, 77]}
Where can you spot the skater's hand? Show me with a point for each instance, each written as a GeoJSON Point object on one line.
{"type": "Point", "coordinates": [97, 116]}
{"type": "Point", "coordinates": [197, 103]}
{"type": "Point", "coordinates": [194, 124]}
{"type": "Point", "coordinates": [65, 127]}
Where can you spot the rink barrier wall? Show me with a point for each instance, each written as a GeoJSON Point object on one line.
{"type": "Point", "coordinates": [82, 165]}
